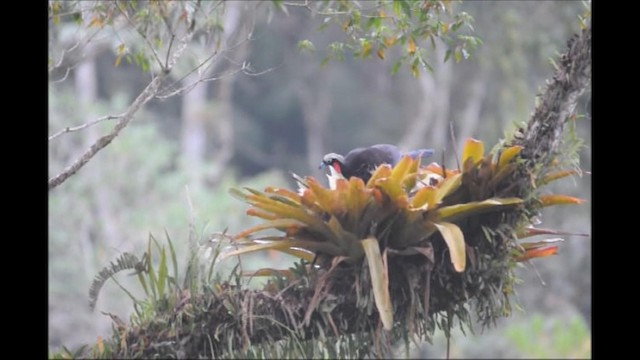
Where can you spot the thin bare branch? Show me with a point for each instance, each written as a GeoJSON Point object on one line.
{"type": "Point", "coordinates": [65, 76]}
{"type": "Point", "coordinates": [169, 49]}
{"type": "Point", "coordinates": [84, 126]}
{"type": "Point", "coordinates": [207, 63]}
{"type": "Point", "coordinates": [105, 140]}
{"type": "Point", "coordinates": [192, 85]}
{"type": "Point", "coordinates": [78, 44]}
{"type": "Point", "coordinates": [247, 70]}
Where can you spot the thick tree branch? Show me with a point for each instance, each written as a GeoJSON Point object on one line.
{"type": "Point", "coordinates": [240, 318]}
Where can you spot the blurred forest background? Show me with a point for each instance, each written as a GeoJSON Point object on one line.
{"type": "Point", "coordinates": [274, 109]}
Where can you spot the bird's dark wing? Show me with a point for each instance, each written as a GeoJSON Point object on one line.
{"type": "Point", "coordinates": [361, 162]}
{"type": "Point", "coordinates": [388, 154]}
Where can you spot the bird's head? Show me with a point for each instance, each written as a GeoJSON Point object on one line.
{"type": "Point", "coordinates": [336, 161]}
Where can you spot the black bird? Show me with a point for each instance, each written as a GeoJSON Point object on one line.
{"type": "Point", "coordinates": [362, 161]}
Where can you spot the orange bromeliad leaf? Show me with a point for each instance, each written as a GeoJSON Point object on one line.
{"type": "Point", "coordinates": [327, 199]}
{"type": "Point", "coordinates": [377, 196]}
{"type": "Point", "coordinates": [538, 252]}
{"type": "Point", "coordinates": [437, 169]}
{"type": "Point", "coordinates": [558, 175]}
{"type": "Point", "coordinates": [261, 214]}
{"type": "Point", "coordinates": [548, 200]}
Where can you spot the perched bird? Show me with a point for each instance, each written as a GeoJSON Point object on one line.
{"type": "Point", "coordinates": [362, 161]}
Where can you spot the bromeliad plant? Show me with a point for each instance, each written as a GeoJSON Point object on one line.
{"type": "Point", "coordinates": [438, 237]}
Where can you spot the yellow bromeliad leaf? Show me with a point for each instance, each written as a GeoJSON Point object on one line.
{"type": "Point", "coordinates": [287, 211]}
{"type": "Point", "coordinates": [423, 198]}
{"type": "Point", "coordinates": [331, 201]}
{"type": "Point", "coordinates": [472, 152]}
{"type": "Point", "coordinates": [308, 200]}
{"type": "Point", "coordinates": [446, 187]}
{"type": "Point", "coordinates": [379, 281]}
{"type": "Point", "coordinates": [357, 198]}
{"type": "Point", "coordinates": [381, 172]}
{"type": "Point", "coordinates": [457, 211]}
{"type": "Point", "coordinates": [284, 192]}
{"type": "Point", "coordinates": [411, 177]}
{"type": "Point", "coordinates": [401, 169]}
{"type": "Point", "coordinates": [394, 191]}
{"type": "Point", "coordinates": [286, 246]}
{"type": "Point", "coordinates": [508, 154]}
{"type": "Point", "coordinates": [455, 242]}
{"type": "Point", "coordinates": [278, 224]}
{"type": "Point", "coordinates": [554, 199]}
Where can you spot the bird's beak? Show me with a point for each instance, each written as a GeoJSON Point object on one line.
{"type": "Point", "coordinates": [322, 165]}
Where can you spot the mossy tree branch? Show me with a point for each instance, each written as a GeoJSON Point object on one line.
{"type": "Point", "coordinates": [544, 130]}
{"type": "Point", "coordinates": [216, 322]}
